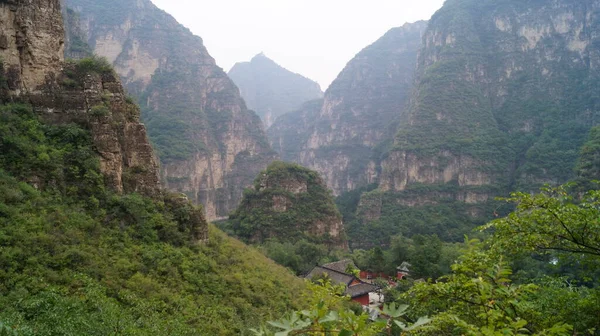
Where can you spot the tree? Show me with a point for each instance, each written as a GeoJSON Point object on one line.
{"type": "Point", "coordinates": [588, 166]}
{"type": "Point", "coordinates": [552, 220]}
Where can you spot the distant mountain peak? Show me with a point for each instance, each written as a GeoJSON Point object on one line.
{"type": "Point", "coordinates": [270, 89]}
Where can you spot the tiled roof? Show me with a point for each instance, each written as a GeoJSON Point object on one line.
{"type": "Point", "coordinates": [335, 276]}
{"type": "Point", "coordinates": [338, 277]}
{"type": "Point", "coordinates": [340, 266]}
{"type": "Point", "coordinates": [360, 289]}
{"type": "Point", "coordinates": [404, 267]}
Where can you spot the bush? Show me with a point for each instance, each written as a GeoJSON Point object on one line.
{"type": "Point", "coordinates": [100, 111]}
{"type": "Point", "coordinates": [96, 64]}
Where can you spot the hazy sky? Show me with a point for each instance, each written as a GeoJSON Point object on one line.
{"type": "Point", "coordinates": [315, 38]}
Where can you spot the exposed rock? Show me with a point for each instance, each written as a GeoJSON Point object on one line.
{"type": "Point", "coordinates": [210, 145]}
{"type": "Point", "coordinates": [31, 42]}
{"type": "Point", "coordinates": [271, 90]}
{"type": "Point", "coordinates": [88, 94]}
{"type": "Point", "coordinates": [494, 103]}
{"type": "Point", "coordinates": [96, 101]}
{"type": "Point", "coordinates": [343, 138]}
{"type": "Point", "coordinates": [289, 203]}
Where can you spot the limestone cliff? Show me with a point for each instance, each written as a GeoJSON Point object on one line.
{"type": "Point", "coordinates": [289, 202]}
{"type": "Point", "coordinates": [504, 96]}
{"type": "Point", "coordinates": [272, 90]}
{"type": "Point", "coordinates": [32, 53]}
{"type": "Point", "coordinates": [344, 139]}
{"type": "Point", "coordinates": [87, 93]}
{"type": "Point", "coordinates": [210, 145]}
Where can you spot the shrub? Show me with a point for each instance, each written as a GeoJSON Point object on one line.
{"type": "Point", "coordinates": [99, 111]}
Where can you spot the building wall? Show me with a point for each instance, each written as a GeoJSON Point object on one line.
{"type": "Point", "coordinates": [363, 299]}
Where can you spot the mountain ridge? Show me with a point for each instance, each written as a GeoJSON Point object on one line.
{"type": "Point", "coordinates": [270, 89]}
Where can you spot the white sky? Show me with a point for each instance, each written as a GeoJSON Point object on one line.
{"type": "Point", "coordinates": [315, 38]}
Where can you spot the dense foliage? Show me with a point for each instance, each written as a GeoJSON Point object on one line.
{"type": "Point", "coordinates": [274, 209]}
{"type": "Point", "coordinates": [588, 165]}
{"type": "Point", "coordinates": [480, 297]}
{"type": "Point", "coordinates": [77, 259]}
{"type": "Point", "coordinates": [285, 213]}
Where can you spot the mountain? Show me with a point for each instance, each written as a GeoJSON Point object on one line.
{"type": "Point", "coordinates": [270, 89]}
{"type": "Point", "coordinates": [343, 137]}
{"type": "Point", "coordinates": [289, 203]}
{"type": "Point", "coordinates": [505, 94]}
{"type": "Point", "coordinates": [91, 243]}
{"type": "Point", "coordinates": [211, 146]}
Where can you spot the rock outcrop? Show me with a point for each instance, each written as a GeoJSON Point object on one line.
{"type": "Point", "coordinates": [31, 43]}
{"type": "Point", "coordinates": [272, 90]}
{"type": "Point", "coordinates": [211, 146]}
{"type": "Point", "coordinates": [289, 203]}
{"type": "Point", "coordinates": [87, 93]}
{"type": "Point", "coordinates": [344, 139]}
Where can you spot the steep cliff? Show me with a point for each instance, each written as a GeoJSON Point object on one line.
{"type": "Point", "coordinates": [343, 141]}
{"type": "Point", "coordinates": [505, 94]}
{"type": "Point", "coordinates": [270, 89]}
{"type": "Point", "coordinates": [87, 93]}
{"type": "Point", "coordinates": [210, 145]}
{"type": "Point", "coordinates": [289, 203]}
{"type": "Point", "coordinates": [588, 165]}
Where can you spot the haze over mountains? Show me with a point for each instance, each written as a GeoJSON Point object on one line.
{"type": "Point", "coordinates": [389, 122]}
{"type": "Point", "coordinates": [106, 198]}
{"type": "Point", "coordinates": [270, 90]}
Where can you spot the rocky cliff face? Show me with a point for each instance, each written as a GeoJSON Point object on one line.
{"type": "Point", "coordinates": [210, 145]}
{"type": "Point", "coordinates": [32, 36]}
{"type": "Point", "coordinates": [289, 203]}
{"type": "Point", "coordinates": [31, 43]}
{"type": "Point", "coordinates": [87, 93]}
{"type": "Point", "coordinates": [271, 90]}
{"type": "Point", "coordinates": [504, 96]}
{"type": "Point", "coordinates": [344, 139]}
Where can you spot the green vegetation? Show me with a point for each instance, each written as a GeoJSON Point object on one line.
{"type": "Point", "coordinates": [76, 70]}
{"type": "Point", "coordinates": [480, 296]}
{"type": "Point", "coordinates": [588, 165]}
{"type": "Point", "coordinates": [330, 315]}
{"type": "Point", "coordinates": [77, 259]}
{"type": "Point", "coordinates": [297, 212]}
{"type": "Point", "coordinates": [289, 212]}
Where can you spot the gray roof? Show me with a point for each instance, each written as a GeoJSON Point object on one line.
{"type": "Point", "coordinates": [404, 267]}
{"type": "Point", "coordinates": [335, 276]}
{"type": "Point", "coordinates": [338, 277]}
{"type": "Point", "coordinates": [340, 266]}
{"type": "Point", "coordinates": [360, 289]}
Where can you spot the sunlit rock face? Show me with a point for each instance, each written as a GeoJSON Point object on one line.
{"type": "Point", "coordinates": [211, 146]}
{"type": "Point", "coordinates": [31, 49]}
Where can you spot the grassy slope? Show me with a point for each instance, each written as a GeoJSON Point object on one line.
{"type": "Point", "coordinates": [76, 259]}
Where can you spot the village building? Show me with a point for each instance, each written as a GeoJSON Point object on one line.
{"type": "Point", "coordinates": [402, 271]}
{"type": "Point", "coordinates": [357, 289]}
